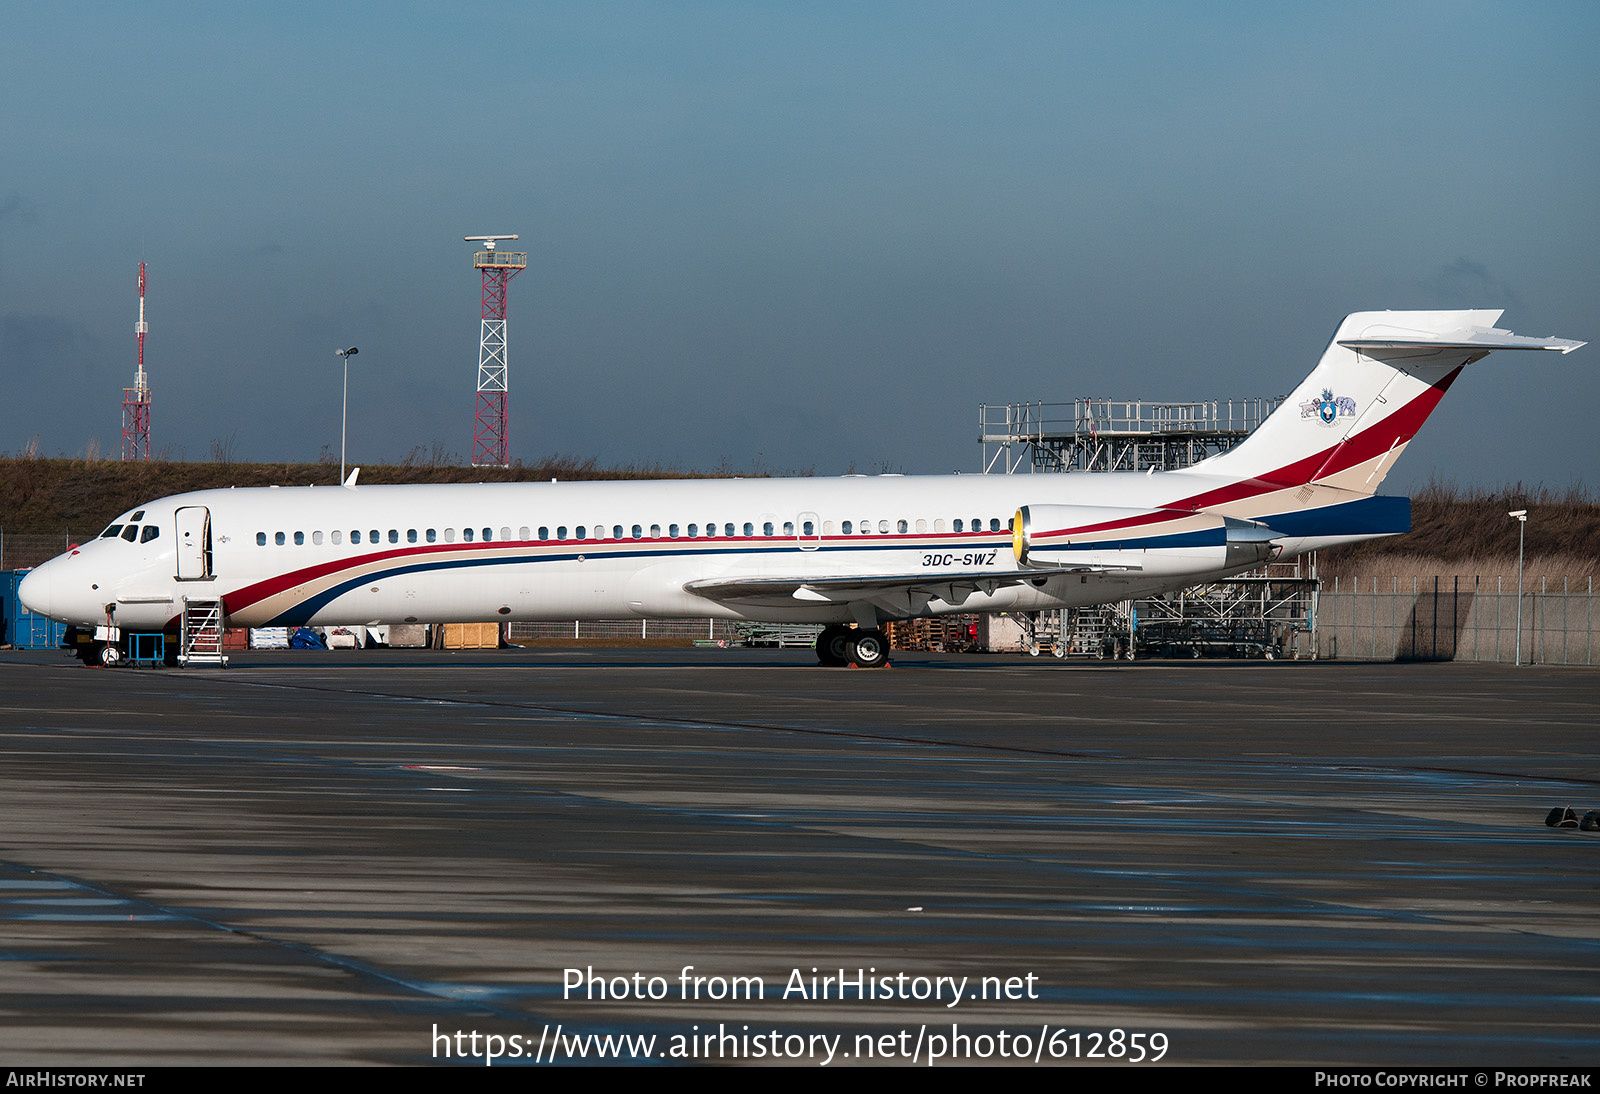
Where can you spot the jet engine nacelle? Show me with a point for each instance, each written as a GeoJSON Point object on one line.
{"type": "Point", "coordinates": [1152, 541]}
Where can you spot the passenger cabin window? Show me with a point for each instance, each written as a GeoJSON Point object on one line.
{"type": "Point", "coordinates": [561, 532]}
{"type": "Point", "coordinates": [278, 539]}
{"type": "Point", "coordinates": [847, 528]}
{"type": "Point", "coordinates": [466, 535]}
{"type": "Point", "coordinates": [788, 527]}
{"type": "Point", "coordinates": [487, 535]}
{"type": "Point", "coordinates": [766, 529]}
{"type": "Point", "coordinates": [694, 530]}
{"type": "Point", "coordinates": [810, 529]}
{"type": "Point", "coordinates": [374, 536]}
{"type": "Point", "coordinates": [261, 539]}
{"type": "Point", "coordinates": [411, 535]}
{"type": "Point", "coordinates": [672, 530]}
{"type": "Point", "coordinates": [636, 532]}
{"type": "Point", "coordinates": [616, 531]}
{"type": "Point", "coordinates": [449, 535]}
{"type": "Point", "coordinates": [901, 527]}
{"type": "Point", "coordinates": [582, 532]}
{"type": "Point", "coordinates": [958, 524]}
{"type": "Point", "coordinates": [316, 537]}
{"type": "Point", "coordinates": [505, 533]}
{"type": "Point", "coordinates": [299, 539]}
{"type": "Point", "coordinates": [749, 529]}
{"type": "Point", "coordinates": [994, 524]}
{"type": "Point", "coordinates": [338, 538]}
{"type": "Point", "coordinates": [655, 531]}
{"type": "Point", "coordinates": [544, 533]}
{"type": "Point", "coordinates": [394, 535]}
{"type": "Point", "coordinates": [433, 535]}
{"type": "Point", "coordinates": [522, 534]}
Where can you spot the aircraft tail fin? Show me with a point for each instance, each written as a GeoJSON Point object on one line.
{"type": "Point", "coordinates": [1340, 432]}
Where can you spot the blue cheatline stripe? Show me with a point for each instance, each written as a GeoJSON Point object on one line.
{"type": "Point", "coordinates": [301, 613]}
{"type": "Point", "coordinates": [1205, 537]}
{"type": "Point", "coordinates": [1374, 516]}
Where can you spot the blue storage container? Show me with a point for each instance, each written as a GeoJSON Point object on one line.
{"type": "Point", "coordinates": [21, 628]}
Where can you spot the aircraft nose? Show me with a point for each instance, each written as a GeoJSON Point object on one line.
{"type": "Point", "coordinates": [34, 591]}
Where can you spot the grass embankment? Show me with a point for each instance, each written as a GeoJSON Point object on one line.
{"type": "Point", "coordinates": [1465, 532]}
{"type": "Point", "coordinates": [43, 496]}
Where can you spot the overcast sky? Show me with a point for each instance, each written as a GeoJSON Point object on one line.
{"type": "Point", "coordinates": [794, 236]}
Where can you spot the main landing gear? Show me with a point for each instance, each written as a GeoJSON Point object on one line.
{"type": "Point", "coordinates": [866, 648]}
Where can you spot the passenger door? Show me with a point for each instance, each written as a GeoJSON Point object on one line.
{"type": "Point", "coordinates": [194, 543]}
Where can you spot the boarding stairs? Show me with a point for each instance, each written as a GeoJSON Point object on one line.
{"type": "Point", "coordinates": [1088, 632]}
{"type": "Point", "coordinates": [201, 637]}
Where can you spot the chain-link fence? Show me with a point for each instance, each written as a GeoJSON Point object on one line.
{"type": "Point", "coordinates": [1459, 619]}
{"type": "Point", "coordinates": [25, 550]}
{"type": "Point", "coordinates": [717, 630]}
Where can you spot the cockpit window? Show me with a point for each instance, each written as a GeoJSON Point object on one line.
{"type": "Point", "coordinates": [137, 516]}
{"type": "Point", "coordinates": [130, 533]}
{"type": "Point", "coordinates": [112, 532]}
{"type": "Point", "coordinates": [151, 531]}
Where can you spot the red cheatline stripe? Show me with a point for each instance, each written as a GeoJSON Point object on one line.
{"type": "Point", "coordinates": [1366, 445]}
{"type": "Point", "coordinates": [1157, 516]}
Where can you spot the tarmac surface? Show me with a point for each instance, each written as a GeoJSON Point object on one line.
{"type": "Point", "coordinates": [351, 857]}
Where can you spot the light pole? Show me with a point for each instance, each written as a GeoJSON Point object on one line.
{"type": "Point", "coordinates": [344, 413]}
{"type": "Point", "coordinates": [1521, 516]}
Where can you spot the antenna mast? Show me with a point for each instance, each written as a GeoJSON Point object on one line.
{"type": "Point", "coordinates": [489, 437]}
{"type": "Point", "coordinates": [136, 399]}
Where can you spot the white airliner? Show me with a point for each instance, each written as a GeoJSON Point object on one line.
{"type": "Point", "coordinates": [848, 552]}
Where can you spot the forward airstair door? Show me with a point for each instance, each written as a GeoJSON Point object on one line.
{"type": "Point", "coordinates": [194, 543]}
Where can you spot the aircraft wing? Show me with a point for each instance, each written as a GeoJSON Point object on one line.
{"type": "Point", "coordinates": [900, 593]}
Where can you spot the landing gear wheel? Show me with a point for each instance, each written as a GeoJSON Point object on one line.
{"type": "Point", "coordinates": [834, 645]}
{"type": "Point", "coordinates": [110, 655]}
{"type": "Point", "coordinates": [871, 649]}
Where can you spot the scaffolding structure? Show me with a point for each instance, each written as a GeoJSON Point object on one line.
{"type": "Point", "coordinates": [1113, 434]}
{"type": "Point", "coordinates": [1270, 612]}
{"type": "Point", "coordinates": [490, 434]}
{"type": "Point", "coordinates": [136, 399]}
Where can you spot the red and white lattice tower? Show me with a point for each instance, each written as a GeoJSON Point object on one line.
{"type": "Point", "coordinates": [489, 437]}
{"type": "Point", "coordinates": [136, 399]}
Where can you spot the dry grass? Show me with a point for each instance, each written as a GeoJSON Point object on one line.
{"type": "Point", "coordinates": [1466, 532]}
{"type": "Point", "coordinates": [48, 496]}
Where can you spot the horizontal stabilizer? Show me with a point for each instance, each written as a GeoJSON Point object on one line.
{"type": "Point", "coordinates": [1466, 338]}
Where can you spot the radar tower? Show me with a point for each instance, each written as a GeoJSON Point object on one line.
{"type": "Point", "coordinates": [489, 435]}
{"type": "Point", "coordinates": [136, 399]}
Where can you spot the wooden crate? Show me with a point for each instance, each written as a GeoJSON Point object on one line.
{"type": "Point", "coordinates": [471, 636]}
